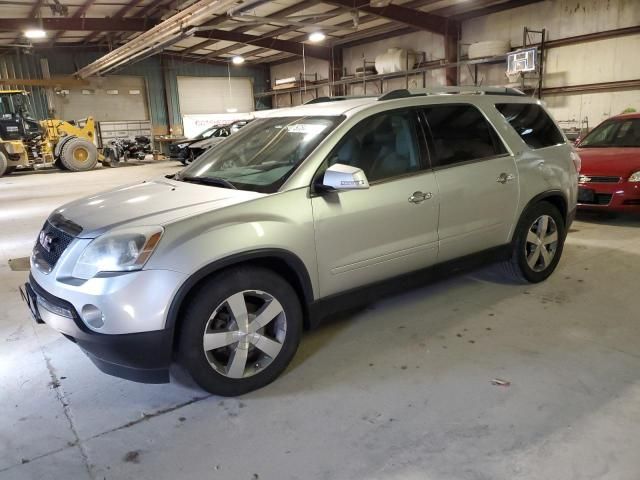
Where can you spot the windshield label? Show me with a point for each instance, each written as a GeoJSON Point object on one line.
{"type": "Point", "coordinates": [306, 128]}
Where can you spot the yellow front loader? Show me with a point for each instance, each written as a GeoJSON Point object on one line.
{"type": "Point", "coordinates": [25, 142]}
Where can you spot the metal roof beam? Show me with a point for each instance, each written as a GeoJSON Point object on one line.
{"type": "Point", "coordinates": [287, 46]}
{"type": "Point", "coordinates": [245, 28]}
{"type": "Point", "coordinates": [78, 13]}
{"type": "Point", "coordinates": [397, 13]}
{"type": "Point", "coordinates": [80, 24]}
{"type": "Point", "coordinates": [480, 12]}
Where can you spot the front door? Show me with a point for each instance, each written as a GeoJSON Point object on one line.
{"type": "Point", "coordinates": [363, 236]}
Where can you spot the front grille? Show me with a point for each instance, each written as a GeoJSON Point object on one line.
{"type": "Point", "coordinates": [56, 242]}
{"type": "Point", "coordinates": [598, 179]}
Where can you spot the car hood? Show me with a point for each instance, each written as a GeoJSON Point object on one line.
{"type": "Point", "coordinates": [188, 141]}
{"type": "Point", "coordinates": [156, 202]}
{"type": "Point", "coordinates": [207, 142]}
{"type": "Point", "coordinates": [609, 161]}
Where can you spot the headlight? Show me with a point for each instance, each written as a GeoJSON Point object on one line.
{"type": "Point", "coordinates": [182, 145]}
{"type": "Point", "coordinates": [635, 177]}
{"type": "Point", "coordinates": [120, 250]}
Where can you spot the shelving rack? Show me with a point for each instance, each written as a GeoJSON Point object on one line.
{"type": "Point", "coordinates": [422, 69]}
{"type": "Point", "coordinates": [365, 79]}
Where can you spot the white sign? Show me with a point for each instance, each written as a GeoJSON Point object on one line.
{"type": "Point", "coordinates": [194, 124]}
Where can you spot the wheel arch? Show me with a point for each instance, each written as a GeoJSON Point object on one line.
{"type": "Point", "coordinates": [58, 147]}
{"type": "Point", "coordinates": [281, 262]}
{"type": "Point", "coordinates": [554, 197]}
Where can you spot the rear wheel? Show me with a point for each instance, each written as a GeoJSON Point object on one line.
{"type": "Point", "coordinates": [79, 155]}
{"type": "Point", "coordinates": [537, 247]}
{"type": "Point", "coordinates": [240, 331]}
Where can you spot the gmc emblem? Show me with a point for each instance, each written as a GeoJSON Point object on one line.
{"type": "Point", "coordinates": [46, 241]}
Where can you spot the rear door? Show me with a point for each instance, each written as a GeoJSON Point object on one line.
{"type": "Point", "coordinates": [476, 177]}
{"type": "Point", "coordinates": [363, 236]}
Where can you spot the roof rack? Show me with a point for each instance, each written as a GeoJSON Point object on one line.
{"type": "Point", "coordinates": [468, 90]}
{"type": "Point", "coordinates": [336, 99]}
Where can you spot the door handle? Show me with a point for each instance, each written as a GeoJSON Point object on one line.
{"type": "Point", "coordinates": [505, 177]}
{"type": "Point", "coordinates": [419, 197]}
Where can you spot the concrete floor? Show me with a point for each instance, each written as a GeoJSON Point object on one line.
{"type": "Point", "coordinates": [401, 390]}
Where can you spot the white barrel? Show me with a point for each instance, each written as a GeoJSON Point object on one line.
{"type": "Point", "coordinates": [395, 60]}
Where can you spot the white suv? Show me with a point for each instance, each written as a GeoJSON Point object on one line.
{"type": "Point", "coordinates": [302, 212]}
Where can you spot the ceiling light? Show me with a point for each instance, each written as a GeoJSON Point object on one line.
{"type": "Point", "coordinates": [35, 33]}
{"type": "Point", "coordinates": [317, 37]}
{"type": "Point", "coordinates": [237, 60]}
{"type": "Point", "coordinates": [232, 110]}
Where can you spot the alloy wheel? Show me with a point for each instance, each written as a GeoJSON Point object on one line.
{"type": "Point", "coordinates": [541, 243]}
{"type": "Point", "coordinates": [244, 334]}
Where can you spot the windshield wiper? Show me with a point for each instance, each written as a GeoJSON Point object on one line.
{"type": "Point", "coordinates": [213, 181]}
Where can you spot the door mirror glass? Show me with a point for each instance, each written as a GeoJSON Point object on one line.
{"type": "Point", "coordinates": [344, 177]}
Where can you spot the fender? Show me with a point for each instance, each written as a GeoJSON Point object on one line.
{"type": "Point", "coordinates": [292, 261]}
{"type": "Point", "coordinates": [58, 148]}
{"type": "Point", "coordinates": [550, 193]}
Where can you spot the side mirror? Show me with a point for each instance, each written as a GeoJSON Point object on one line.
{"type": "Point", "coordinates": [340, 177]}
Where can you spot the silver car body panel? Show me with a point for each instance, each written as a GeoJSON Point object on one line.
{"type": "Point", "coordinates": [344, 239]}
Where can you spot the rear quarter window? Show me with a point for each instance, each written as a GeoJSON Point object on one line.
{"type": "Point", "coordinates": [532, 123]}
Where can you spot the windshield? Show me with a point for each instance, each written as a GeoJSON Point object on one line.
{"type": "Point", "coordinates": [262, 155]}
{"type": "Point", "coordinates": [614, 133]}
{"type": "Point", "coordinates": [11, 103]}
{"type": "Point", "coordinates": [207, 133]}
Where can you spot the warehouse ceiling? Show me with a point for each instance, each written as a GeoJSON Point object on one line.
{"type": "Point", "coordinates": [259, 30]}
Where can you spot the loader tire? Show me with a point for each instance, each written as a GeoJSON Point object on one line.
{"type": "Point", "coordinates": [79, 155]}
{"type": "Point", "coordinates": [5, 169]}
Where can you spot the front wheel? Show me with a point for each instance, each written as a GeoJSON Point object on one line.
{"type": "Point", "coordinates": [538, 243]}
{"type": "Point", "coordinates": [79, 155]}
{"type": "Point", "coordinates": [240, 331]}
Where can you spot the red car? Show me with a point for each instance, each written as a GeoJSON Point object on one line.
{"type": "Point", "coordinates": [610, 174]}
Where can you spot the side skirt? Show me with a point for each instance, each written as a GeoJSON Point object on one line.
{"type": "Point", "coordinates": [362, 296]}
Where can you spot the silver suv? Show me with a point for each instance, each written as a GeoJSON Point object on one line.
{"type": "Point", "coordinates": [305, 211]}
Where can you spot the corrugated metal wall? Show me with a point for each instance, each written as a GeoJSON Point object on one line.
{"type": "Point", "coordinates": [66, 62]}
{"type": "Point", "coordinates": [22, 65]}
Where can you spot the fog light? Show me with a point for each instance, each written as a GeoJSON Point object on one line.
{"type": "Point", "coordinates": [93, 316]}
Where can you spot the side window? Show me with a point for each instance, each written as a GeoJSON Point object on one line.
{"type": "Point", "coordinates": [532, 124]}
{"type": "Point", "coordinates": [460, 133]}
{"type": "Point", "coordinates": [383, 146]}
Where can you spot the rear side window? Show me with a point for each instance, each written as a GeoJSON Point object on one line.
{"type": "Point", "coordinates": [532, 124]}
{"type": "Point", "coordinates": [460, 133]}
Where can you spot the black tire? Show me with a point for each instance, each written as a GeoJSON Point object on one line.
{"type": "Point", "coordinates": [79, 155]}
{"type": "Point", "coordinates": [111, 160]}
{"type": "Point", "coordinates": [212, 297]}
{"type": "Point", "coordinates": [4, 165]}
{"type": "Point", "coordinates": [517, 266]}
{"type": "Point", "coordinates": [58, 164]}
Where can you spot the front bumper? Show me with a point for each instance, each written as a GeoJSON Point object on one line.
{"type": "Point", "coordinates": [176, 153]}
{"type": "Point", "coordinates": [612, 197]}
{"type": "Point", "coordinates": [142, 357]}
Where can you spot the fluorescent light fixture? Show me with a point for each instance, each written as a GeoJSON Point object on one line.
{"type": "Point", "coordinates": [232, 110]}
{"type": "Point", "coordinates": [237, 60]}
{"type": "Point", "coordinates": [35, 33]}
{"type": "Point", "coordinates": [317, 37]}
